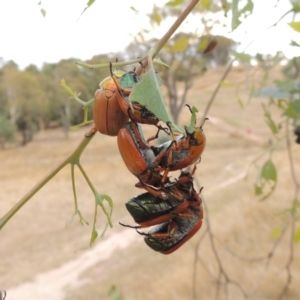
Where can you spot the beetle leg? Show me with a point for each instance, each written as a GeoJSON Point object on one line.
{"type": "Point", "coordinates": [157, 192]}
{"type": "Point", "coordinates": [130, 226]}
{"type": "Point", "coordinates": [165, 175]}
{"type": "Point", "coordinates": [156, 135]}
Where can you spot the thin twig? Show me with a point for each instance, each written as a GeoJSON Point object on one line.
{"type": "Point", "coordinates": [213, 96]}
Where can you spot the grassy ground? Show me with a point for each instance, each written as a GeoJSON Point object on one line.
{"type": "Point", "coordinates": [37, 240]}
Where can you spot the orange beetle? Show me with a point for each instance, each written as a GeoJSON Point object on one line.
{"type": "Point", "coordinates": [138, 155]}
{"type": "Point", "coordinates": [108, 116]}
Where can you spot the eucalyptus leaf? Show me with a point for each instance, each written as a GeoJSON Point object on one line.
{"type": "Point", "coordinates": [297, 236]}
{"type": "Point", "coordinates": [206, 3]}
{"type": "Point", "coordinates": [268, 171]}
{"type": "Point", "coordinates": [272, 91]}
{"type": "Point", "coordinates": [174, 2]}
{"type": "Point", "coordinates": [148, 93]}
{"type": "Point", "coordinates": [181, 44]}
{"type": "Point", "coordinates": [295, 26]}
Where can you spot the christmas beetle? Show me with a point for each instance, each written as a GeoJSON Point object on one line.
{"type": "Point", "coordinates": [169, 236]}
{"type": "Point", "coordinates": [184, 150]}
{"type": "Point", "coordinates": [108, 116]}
{"type": "Point", "coordinates": [138, 155]}
{"type": "Point", "coordinates": [137, 112]}
{"type": "Point", "coordinates": [156, 207]}
{"type": "Point", "coordinates": [148, 210]}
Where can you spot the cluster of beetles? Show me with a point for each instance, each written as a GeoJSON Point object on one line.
{"type": "Point", "coordinates": [171, 206]}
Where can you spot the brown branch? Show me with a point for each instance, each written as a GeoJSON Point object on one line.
{"type": "Point", "coordinates": [213, 96]}
{"type": "Point", "coordinates": [222, 272]}
{"type": "Point", "coordinates": [292, 215]}
{"type": "Point", "coordinates": [194, 292]}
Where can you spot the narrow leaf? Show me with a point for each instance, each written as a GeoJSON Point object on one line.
{"type": "Point", "coordinates": [175, 2]}
{"type": "Point", "coordinates": [43, 12]}
{"type": "Point", "coordinates": [257, 190]}
{"type": "Point", "coordinates": [181, 44]}
{"type": "Point", "coordinates": [90, 2]}
{"type": "Point", "coordinates": [295, 26]}
{"type": "Point", "coordinates": [205, 3]}
{"type": "Point", "coordinates": [297, 236]}
{"type": "Point", "coordinates": [234, 9]}
{"type": "Point", "coordinates": [155, 16]}
{"type": "Point", "coordinates": [241, 103]}
{"type": "Point", "coordinates": [294, 44]}
{"type": "Point", "coordinates": [243, 57]}
{"type": "Point", "coordinates": [293, 109]}
{"type": "Point", "coordinates": [275, 233]}
{"type": "Point", "coordinates": [272, 125]}
{"type": "Point", "coordinates": [94, 236]}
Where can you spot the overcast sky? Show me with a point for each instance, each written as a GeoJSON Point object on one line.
{"type": "Point", "coordinates": [27, 37]}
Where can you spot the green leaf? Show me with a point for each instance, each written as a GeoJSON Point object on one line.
{"type": "Point", "coordinates": [235, 17]}
{"type": "Point", "coordinates": [268, 171]}
{"type": "Point", "coordinates": [236, 13]}
{"type": "Point", "coordinates": [241, 103]}
{"type": "Point", "coordinates": [273, 92]}
{"type": "Point", "coordinates": [296, 5]}
{"type": "Point", "coordinates": [272, 125]}
{"type": "Point", "coordinates": [288, 85]}
{"type": "Point", "coordinates": [155, 16]}
{"type": "Point", "coordinates": [243, 57]}
{"type": "Point", "coordinates": [175, 2]}
{"type": "Point", "coordinates": [295, 26]}
{"type": "Point", "coordinates": [268, 175]}
{"type": "Point", "coordinates": [133, 8]}
{"type": "Point", "coordinates": [205, 3]}
{"type": "Point", "coordinates": [294, 44]}
{"type": "Point", "coordinates": [275, 233]}
{"type": "Point", "coordinates": [257, 190]}
{"type": "Point", "coordinates": [297, 236]}
{"type": "Point", "coordinates": [90, 2]}
{"type": "Point", "coordinates": [204, 43]}
{"type": "Point", "coordinates": [93, 236]}
{"type": "Point", "coordinates": [114, 293]}
{"type": "Point", "coordinates": [43, 12]}
{"type": "Point", "coordinates": [293, 109]}
{"type": "Point", "coordinates": [225, 83]}
{"type": "Point", "coordinates": [181, 44]}
{"type": "Point", "coordinates": [148, 93]}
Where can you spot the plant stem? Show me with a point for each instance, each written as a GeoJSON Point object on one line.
{"type": "Point", "coordinates": [72, 159]}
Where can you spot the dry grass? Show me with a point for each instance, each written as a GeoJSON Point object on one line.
{"type": "Point", "coordinates": [36, 239]}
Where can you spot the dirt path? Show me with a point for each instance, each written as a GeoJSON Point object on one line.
{"type": "Point", "coordinates": [50, 285]}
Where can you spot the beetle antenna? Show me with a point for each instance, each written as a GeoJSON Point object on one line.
{"type": "Point", "coordinates": [204, 122]}
{"type": "Point", "coordinates": [110, 69]}
{"type": "Point", "coordinates": [129, 226]}
{"type": "Point", "coordinates": [189, 107]}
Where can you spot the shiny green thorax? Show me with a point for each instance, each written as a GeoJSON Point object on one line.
{"type": "Point", "coordinates": [128, 80]}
